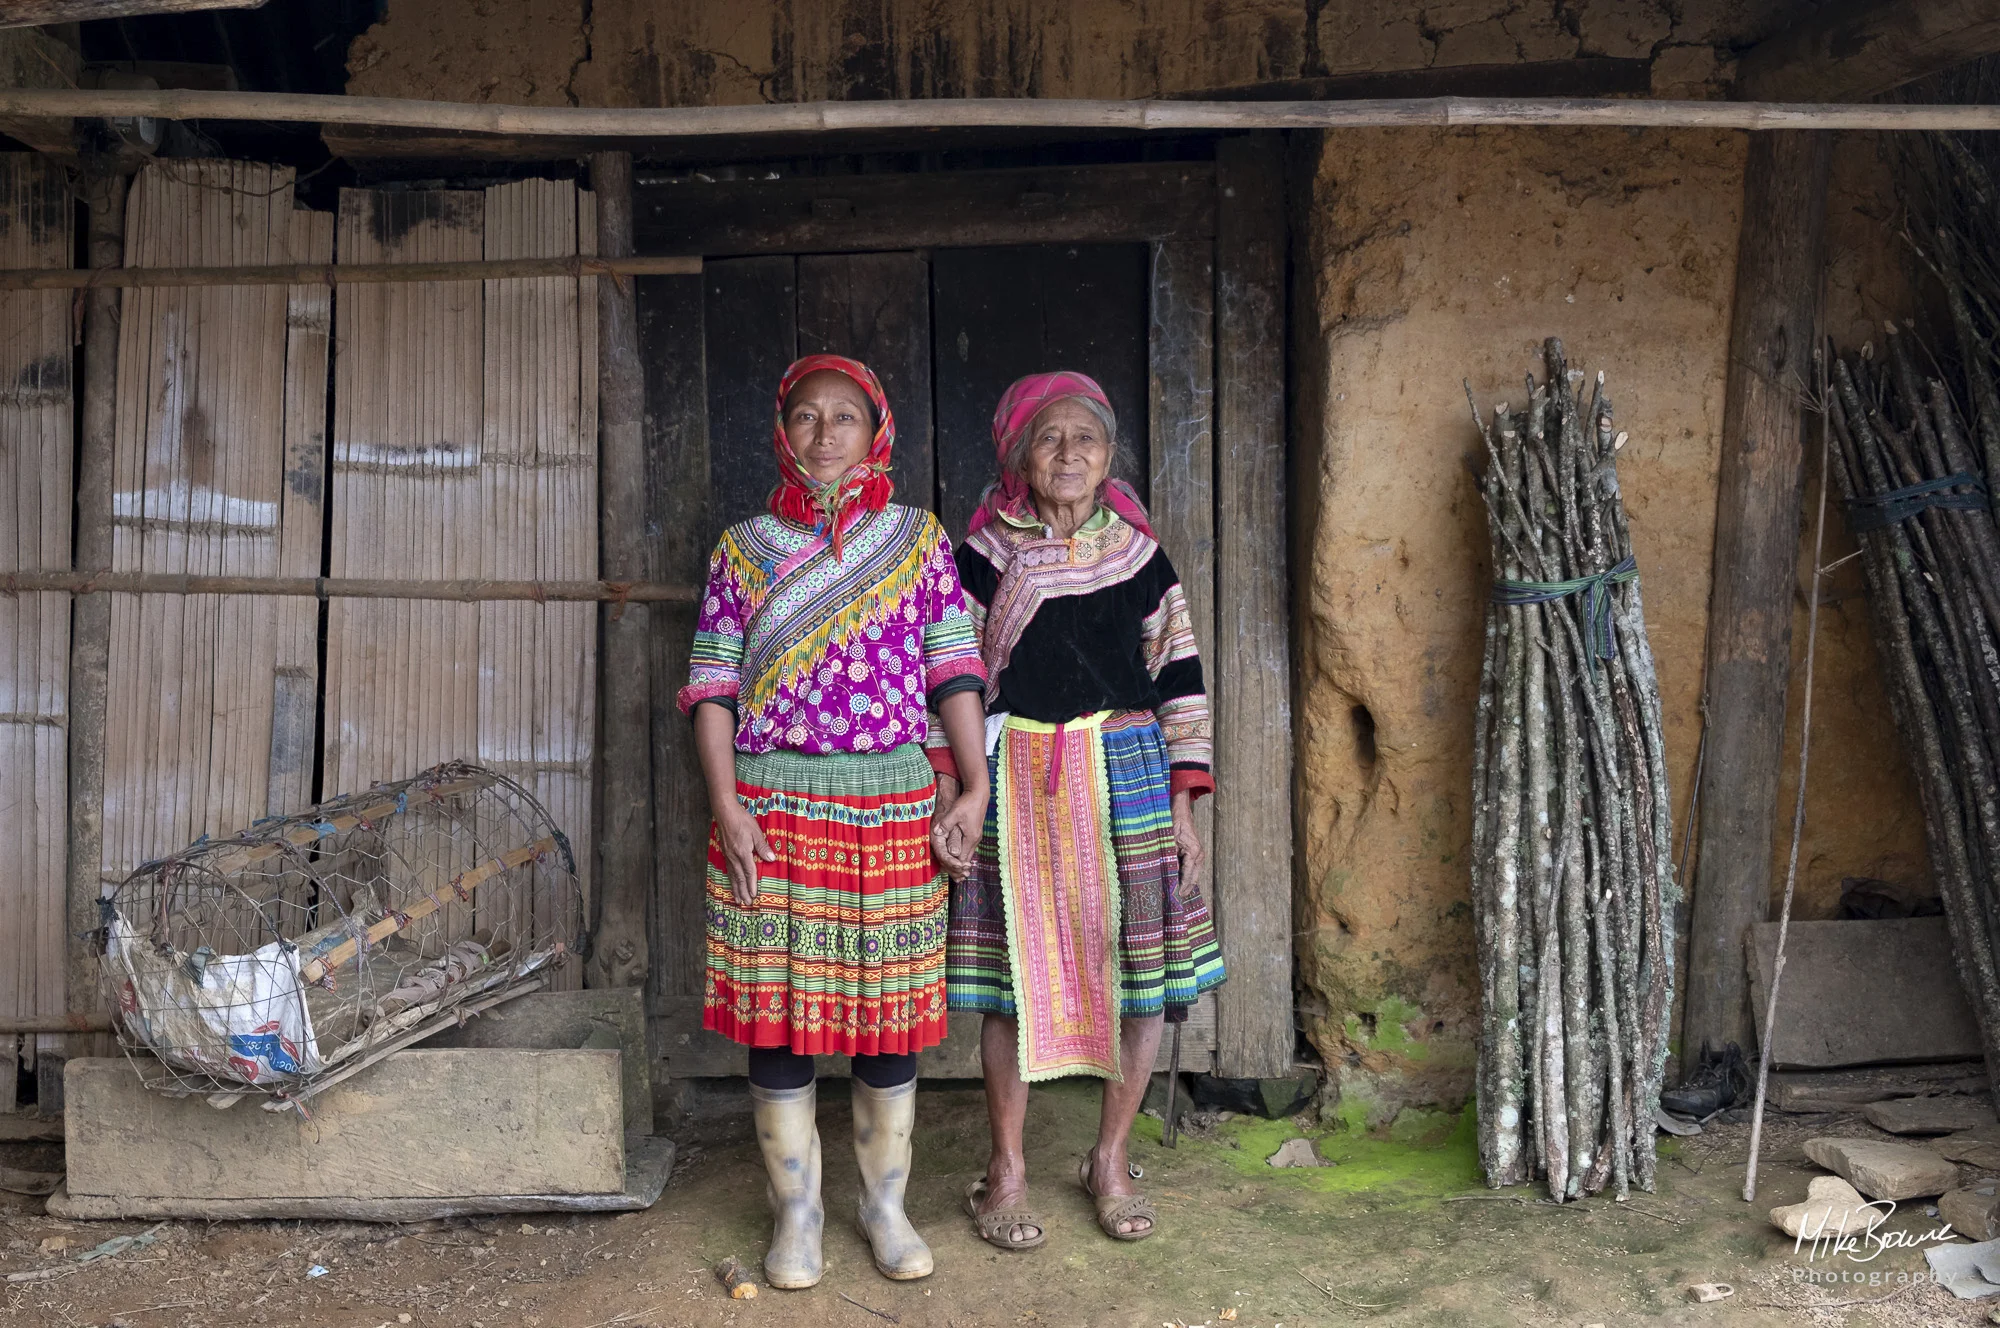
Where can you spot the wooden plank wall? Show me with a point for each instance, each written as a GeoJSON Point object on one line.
{"type": "Point", "coordinates": [36, 451]}
{"type": "Point", "coordinates": [216, 469]}
{"type": "Point", "coordinates": [465, 445]}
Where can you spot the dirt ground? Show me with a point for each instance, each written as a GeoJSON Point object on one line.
{"type": "Point", "coordinates": [1393, 1233]}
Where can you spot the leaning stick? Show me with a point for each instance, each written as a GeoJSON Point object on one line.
{"type": "Point", "coordinates": [461, 885]}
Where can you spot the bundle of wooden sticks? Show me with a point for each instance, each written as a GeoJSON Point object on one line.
{"type": "Point", "coordinates": [1572, 877]}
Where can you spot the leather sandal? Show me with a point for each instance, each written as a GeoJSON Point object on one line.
{"type": "Point", "coordinates": [1115, 1208]}
{"type": "Point", "coordinates": [997, 1229]}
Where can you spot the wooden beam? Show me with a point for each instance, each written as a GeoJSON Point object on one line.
{"type": "Point", "coordinates": [340, 274]}
{"type": "Point", "coordinates": [619, 954]}
{"type": "Point", "coordinates": [1773, 329]}
{"type": "Point", "coordinates": [1177, 117]}
{"type": "Point", "coordinates": [41, 13]}
{"type": "Point", "coordinates": [951, 209]}
{"type": "Point", "coordinates": [1862, 48]}
{"type": "Point", "coordinates": [90, 618]}
{"type": "Point", "coordinates": [1253, 687]}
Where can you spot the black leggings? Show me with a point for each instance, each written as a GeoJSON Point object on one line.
{"type": "Point", "coordinates": [781, 1067]}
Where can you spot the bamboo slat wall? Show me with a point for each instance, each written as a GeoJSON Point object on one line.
{"type": "Point", "coordinates": [465, 446]}
{"type": "Point", "coordinates": [218, 468]}
{"type": "Point", "coordinates": [36, 453]}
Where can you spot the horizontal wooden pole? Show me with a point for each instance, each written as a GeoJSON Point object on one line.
{"type": "Point", "coordinates": [95, 1022]}
{"type": "Point", "coordinates": [343, 274]}
{"type": "Point", "coordinates": [975, 112]}
{"type": "Point", "coordinates": [337, 587]}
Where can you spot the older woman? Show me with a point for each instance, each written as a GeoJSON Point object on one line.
{"type": "Point", "coordinates": [829, 625]}
{"type": "Point", "coordinates": [1078, 923]}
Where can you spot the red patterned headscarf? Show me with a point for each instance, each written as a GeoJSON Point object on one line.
{"type": "Point", "coordinates": [836, 505]}
{"type": "Point", "coordinates": [1019, 405]}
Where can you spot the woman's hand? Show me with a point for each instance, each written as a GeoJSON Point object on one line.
{"type": "Point", "coordinates": [743, 847]}
{"type": "Point", "coordinates": [956, 825]}
{"type": "Point", "coordinates": [959, 818]}
{"type": "Point", "coordinates": [1187, 843]}
{"type": "Point", "coordinates": [743, 842]}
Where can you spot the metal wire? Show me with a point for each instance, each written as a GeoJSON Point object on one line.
{"type": "Point", "coordinates": [297, 950]}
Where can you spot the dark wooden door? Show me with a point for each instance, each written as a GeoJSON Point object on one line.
{"type": "Point", "coordinates": [1122, 287]}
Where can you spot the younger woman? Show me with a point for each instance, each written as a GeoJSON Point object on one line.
{"type": "Point", "coordinates": [829, 626]}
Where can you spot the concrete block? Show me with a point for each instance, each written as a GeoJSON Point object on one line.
{"type": "Point", "coordinates": [613, 1017]}
{"type": "Point", "coordinates": [417, 1125]}
{"type": "Point", "coordinates": [1862, 993]}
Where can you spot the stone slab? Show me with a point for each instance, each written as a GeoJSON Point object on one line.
{"type": "Point", "coordinates": [1973, 1213]}
{"type": "Point", "coordinates": [564, 1020]}
{"type": "Point", "coordinates": [419, 1124]}
{"type": "Point", "coordinates": [1862, 993]}
{"type": "Point", "coordinates": [1885, 1170]}
{"type": "Point", "coordinates": [1930, 1115]}
{"type": "Point", "coordinates": [1851, 1090]}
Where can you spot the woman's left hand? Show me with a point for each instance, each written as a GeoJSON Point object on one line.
{"type": "Point", "coordinates": [1187, 843]}
{"type": "Point", "coordinates": [955, 831]}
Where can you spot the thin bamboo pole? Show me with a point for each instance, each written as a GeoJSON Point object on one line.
{"type": "Point", "coordinates": [575, 267]}
{"type": "Point", "coordinates": [466, 591]}
{"type": "Point", "coordinates": [974, 113]}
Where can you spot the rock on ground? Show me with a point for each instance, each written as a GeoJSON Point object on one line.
{"type": "Point", "coordinates": [1832, 1207]}
{"type": "Point", "coordinates": [1885, 1170]}
{"type": "Point", "coordinates": [1295, 1153]}
{"type": "Point", "coordinates": [1973, 1213]}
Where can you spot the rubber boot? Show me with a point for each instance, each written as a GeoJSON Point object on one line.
{"type": "Point", "coordinates": [883, 1120]}
{"type": "Point", "coordinates": [789, 1135]}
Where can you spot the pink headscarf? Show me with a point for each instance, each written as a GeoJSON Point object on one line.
{"type": "Point", "coordinates": [1019, 405]}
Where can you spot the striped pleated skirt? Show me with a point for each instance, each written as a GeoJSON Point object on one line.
{"type": "Point", "coordinates": [843, 950]}
{"type": "Point", "coordinates": [1166, 949]}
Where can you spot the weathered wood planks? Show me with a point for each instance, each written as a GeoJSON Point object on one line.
{"type": "Point", "coordinates": [1252, 687]}
{"type": "Point", "coordinates": [1774, 318]}
{"type": "Point", "coordinates": [35, 517]}
{"type": "Point", "coordinates": [216, 459]}
{"type": "Point", "coordinates": [465, 446]}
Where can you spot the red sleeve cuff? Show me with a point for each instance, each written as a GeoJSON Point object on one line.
{"type": "Point", "coordinates": [1197, 783]}
{"type": "Point", "coordinates": [943, 762]}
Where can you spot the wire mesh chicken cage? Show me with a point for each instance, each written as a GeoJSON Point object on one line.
{"type": "Point", "coordinates": [282, 960]}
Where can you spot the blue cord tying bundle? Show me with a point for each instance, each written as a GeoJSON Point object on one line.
{"type": "Point", "coordinates": [1878, 511]}
{"type": "Point", "coordinates": [1596, 590]}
